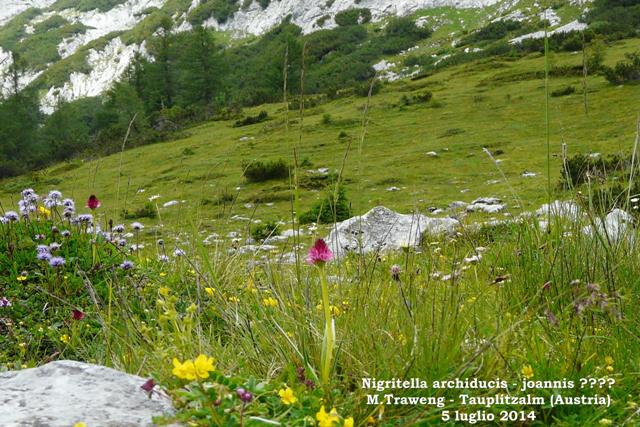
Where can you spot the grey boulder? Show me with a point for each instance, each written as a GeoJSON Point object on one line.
{"type": "Point", "coordinates": [62, 393]}
{"type": "Point", "coordinates": [382, 229]}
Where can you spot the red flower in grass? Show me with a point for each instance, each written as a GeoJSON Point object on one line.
{"type": "Point", "coordinates": [319, 253]}
{"type": "Point", "coordinates": [93, 203]}
{"type": "Point", "coordinates": [77, 315]}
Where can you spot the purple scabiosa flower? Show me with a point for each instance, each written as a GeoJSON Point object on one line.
{"type": "Point", "coordinates": [4, 302]}
{"type": "Point", "coordinates": [68, 213]}
{"type": "Point", "coordinates": [56, 262]}
{"type": "Point", "coordinates": [122, 243]}
{"type": "Point", "coordinates": [163, 258]}
{"type": "Point", "coordinates": [178, 252]}
{"type": "Point", "coordinates": [26, 207]}
{"type": "Point", "coordinates": [43, 256]}
{"type": "Point", "coordinates": [68, 203]}
{"type": "Point", "coordinates": [126, 265]}
{"type": "Point", "coordinates": [85, 218]}
{"type": "Point", "coordinates": [55, 195]}
{"type": "Point", "coordinates": [12, 216]}
{"type": "Point", "coordinates": [319, 254]}
{"type": "Point", "coordinates": [54, 230]}
{"type": "Point", "coordinates": [118, 228]}
{"type": "Point", "coordinates": [49, 203]}
{"type": "Point", "coordinates": [65, 233]}
{"type": "Point", "coordinates": [4, 220]}
{"type": "Point", "coordinates": [160, 242]}
{"type": "Point", "coordinates": [42, 248]}
{"type": "Point", "coordinates": [54, 246]}
{"type": "Point", "coordinates": [137, 226]}
{"type": "Point", "coordinates": [39, 236]}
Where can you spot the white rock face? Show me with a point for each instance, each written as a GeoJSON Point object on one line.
{"type": "Point", "coordinates": [305, 13]}
{"type": "Point", "coordinates": [561, 208]}
{"type": "Point", "coordinates": [382, 229]}
{"type": "Point", "coordinates": [106, 65]}
{"type": "Point", "coordinates": [122, 17]}
{"type": "Point", "coordinates": [60, 394]}
{"type": "Point", "coordinates": [571, 26]}
{"type": "Point", "coordinates": [11, 8]}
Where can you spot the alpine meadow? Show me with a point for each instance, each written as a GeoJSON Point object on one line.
{"type": "Point", "coordinates": [329, 213]}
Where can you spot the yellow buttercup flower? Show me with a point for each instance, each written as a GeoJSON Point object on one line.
{"type": "Point", "coordinates": [605, 422]}
{"type": "Point", "coordinates": [21, 278]}
{"type": "Point", "coordinates": [80, 425]}
{"type": "Point", "coordinates": [184, 371]}
{"type": "Point", "coordinates": [203, 365]}
{"type": "Point", "coordinates": [65, 339]}
{"type": "Point", "coordinates": [327, 419]}
{"type": "Point", "coordinates": [348, 422]}
{"type": "Point", "coordinates": [527, 371]}
{"type": "Point", "coordinates": [209, 291]}
{"type": "Point", "coordinates": [608, 360]}
{"type": "Point", "coordinates": [287, 396]}
{"type": "Point", "coordinates": [164, 291]}
{"type": "Point", "coordinates": [270, 302]}
{"type": "Point", "coordinates": [44, 211]}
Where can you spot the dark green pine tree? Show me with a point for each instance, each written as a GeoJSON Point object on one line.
{"type": "Point", "coordinates": [201, 69]}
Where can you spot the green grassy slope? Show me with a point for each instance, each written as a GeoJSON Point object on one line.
{"type": "Point", "coordinates": [494, 103]}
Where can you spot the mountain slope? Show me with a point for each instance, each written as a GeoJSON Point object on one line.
{"type": "Point", "coordinates": [77, 48]}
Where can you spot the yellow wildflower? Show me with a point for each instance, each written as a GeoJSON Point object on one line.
{"type": "Point", "coordinates": [327, 419]}
{"type": "Point", "coordinates": [270, 302]}
{"type": "Point", "coordinates": [44, 211]}
{"type": "Point", "coordinates": [65, 339]}
{"type": "Point", "coordinates": [348, 422]}
{"type": "Point", "coordinates": [203, 365]}
{"type": "Point", "coordinates": [164, 291]}
{"type": "Point", "coordinates": [21, 278]}
{"type": "Point", "coordinates": [162, 274]}
{"type": "Point", "coordinates": [605, 422]}
{"type": "Point", "coordinates": [209, 291]}
{"type": "Point", "coordinates": [287, 396]}
{"type": "Point", "coordinates": [527, 371]}
{"type": "Point", "coordinates": [234, 299]}
{"type": "Point", "coordinates": [184, 371]}
{"type": "Point", "coordinates": [608, 360]}
{"type": "Point", "coordinates": [80, 424]}
{"type": "Point", "coordinates": [609, 368]}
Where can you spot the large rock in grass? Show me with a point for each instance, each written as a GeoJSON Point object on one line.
{"type": "Point", "coordinates": [60, 394]}
{"type": "Point", "coordinates": [382, 229]}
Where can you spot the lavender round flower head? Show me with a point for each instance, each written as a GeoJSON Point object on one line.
{"type": "Point", "coordinates": [43, 256]}
{"type": "Point", "coordinates": [179, 252]}
{"type": "Point", "coordinates": [68, 203]}
{"type": "Point", "coordinates": [12, 216]}
{"type": "Point", "coordinates": [29, 195]}
{"type": "Point", "coordinates": [55, 195]}
{"type": "Point", "coordinates": [49, 203]}
{"type": "Point", "coordinates": [26, 207]}
{"type": "Point", "coordinates": [39, 236]}
{"type": "Point", "coordinates": [56, 262]}
{"type": "Point", "coordinates": [163, 258]}
{"type": "Point", "coordinates": [4, 302]}
{"type": "Point", "coordinates": [126, 265]}
{"type": "Point", "coordinates": [42, 248]}
{"type": "Point", "coordinates": [65, 233]}
{"type": "Point", "coordinates": [137, 226]}
{"type": "Point", "coordinates": [54, 246]}
{"type": "Point", "coordinates": [4, 220]}
{"type": "Point", "coordinates": [85, 218]}
{"type": "Point", "coordinates": [122, 243]}
{"type": "Point", "coordinates": [118, 228]}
